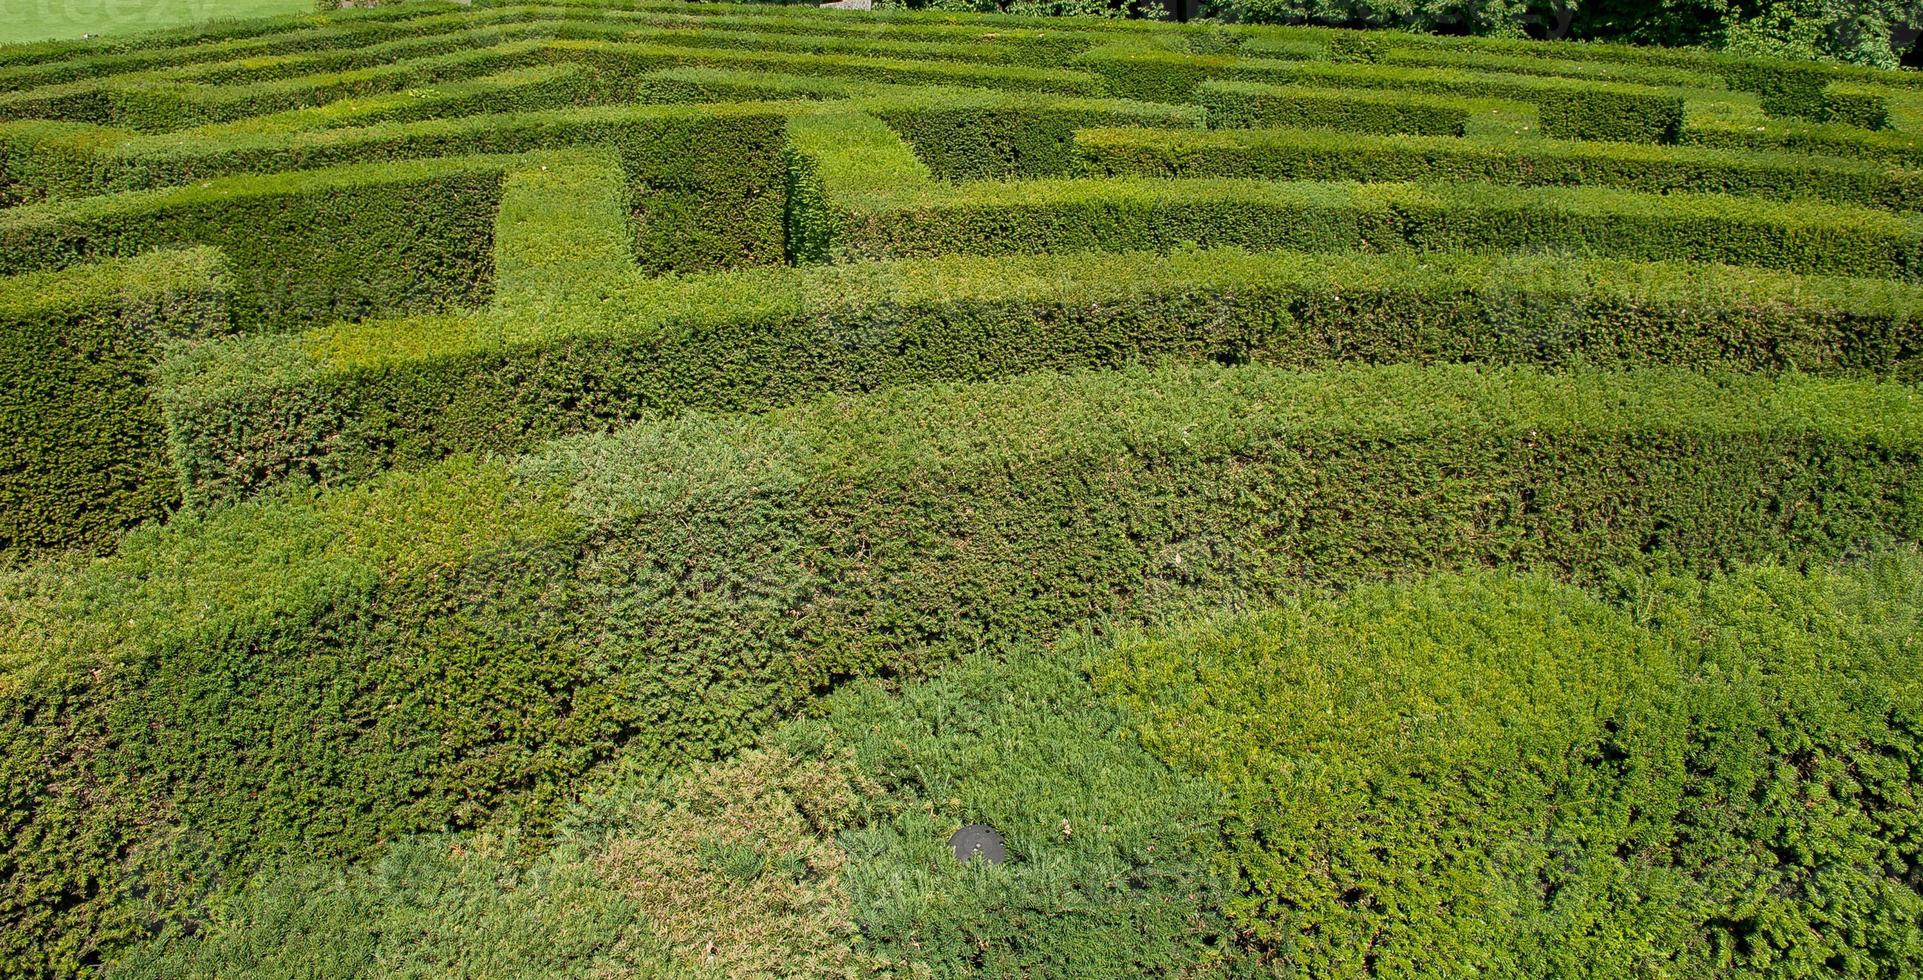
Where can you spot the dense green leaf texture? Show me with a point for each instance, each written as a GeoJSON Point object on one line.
{"type": "Point", "coordinates": [339, 404]}
{"type": "Point", "coordinates": [847, 818]}
{"type": "Point", "coordinates": [529, 414]}
{"type": "Point", "coordinates": [1490, 773]}
{"type": "Point", "coordinates": [1509, 778]}
{"type": "Point", "coordinates": [319, 674]}
{"type": "Point", "coordinates": [82, 451]}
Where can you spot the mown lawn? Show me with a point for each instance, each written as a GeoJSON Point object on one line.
{"type": "Point", "coordinates": [36, 20]}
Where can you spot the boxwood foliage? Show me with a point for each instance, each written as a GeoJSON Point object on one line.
{"type": "Point", "coordinates": [1241, 105]}
{"type": "Point", "coordinates": [818, 854]}
{"type": "Point", "coordinates": [83, 455]}
{"type": "Point", "coordinates": [1107, 871]}
{"type": "Point", "coordinates": [1308, 154]}
{"type": "Point", "coordinates": [1799, 136]}
{"type": "Point", "coordinates": [964, 135]}
{"type": "Point", "coordinates": [1496, 775]}
{"type": "Point", "coordinates": [341, 404]}
{"type": "Point", "coordinates": [304, 248]}
{"type": "Point", "coordinates": [861, 193]}
{"type": "Point", "coordinates": [1568, 108]}
{"type": "Point", "coordinates": [436, 645]}
{"type": "Point", "coordinates": [1593, 806]}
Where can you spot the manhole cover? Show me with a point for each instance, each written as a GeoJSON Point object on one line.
{"type": "Point", "coordinates": [978, 840]}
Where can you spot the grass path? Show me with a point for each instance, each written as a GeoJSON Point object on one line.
{"type": "Point", "coordinates": [36, 20]}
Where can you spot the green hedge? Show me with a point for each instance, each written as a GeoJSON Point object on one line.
{"type": "Point", "coordinates": [1661, 76]}
{"type": "Point", "coordinates": [970, 130]}
{"type": "Point", "coordinates": [1133, 70]}
{"type": "Point", "coordinates": [1568, 108]}
{"type": "Point", "coordinates": [315, 674]}
{"type": "Point", "coordinates": [817, 854]}
{"type": "Point", "coordinates": [516, 90]}
{"type": "Point", "coordinates": [686, 85]}
{"type": "Point", "coordinates": [83, 454]}
{"type": "Point", "coordinates": [1786, 88]}
{"type": "Point", "coordinates": [1796, 136]}
{"type": "Point", "coordinates": [1241, 105]}
{"type": "Point", "coordinates": [154, 106]}
{"type": "Point", "coordinates": [1303, 154]}
{"type": "Point", "coordinates": [621, 63]}
{"type": "Point", "coordinates": [227, 89]}
{"type": "Point", "coordinates": [841, 818]}
{"type": "Point", "coordinates": [974, 135]}
{"type": "Point", "coordinates": [861, 194]}
{"type": "Point", "coordinates": [707, 180]}
{"type": "Point", "coordinates": [304, 248]}
{"type": "Point", "coordinates": [1864, 106]}
{"type": "Point", "coordinates": [158, 103]}
{"type": "Point", "coordinates": [1500, 776]}
{"type": "Point", "coordinates": [45, 62]}
{"type": "Point", "coordinates": [343, 404]}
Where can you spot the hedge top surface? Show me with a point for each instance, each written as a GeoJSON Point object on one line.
{"type": "Point", "coordinates": [641, 306]}
{"type": "Point", "coordinates": [492, 370]}
{"type": "Point", "coordinates": [167, 585]}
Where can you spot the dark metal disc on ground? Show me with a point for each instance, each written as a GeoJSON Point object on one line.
{"type": "Point", "coordinates": [978, 840]}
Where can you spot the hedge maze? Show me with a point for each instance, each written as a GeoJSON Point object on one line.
{"type": "Point", "coordinates": [413, 415]}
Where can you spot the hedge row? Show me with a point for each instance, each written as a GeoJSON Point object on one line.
{"type": "Point", "coordinates": [304, 248]}
{"type": "Point", "coordinates": [621, 63]}
{"type": "Point", "coordinates": [144, 103]}
{"type": "Point", "coordinates": [1796, 136]}
{"type": "Point", "coordinates": [1242, 105]}
{"type": "Point", "coordinates": [861, 194]}
{"type": "Point", "coordinates": [974, 135]}
{"type": "Point", "coordinates": [842, 813]}
{"type": "Point", "coordinates": [580, 347]}
{"type": "Point", "coordinates": [1790, 87]}
{"type": "Point", "coordinates": [813, 856]}
{"type": "Point", "coordinates": [1659, 76]}
{"type": "Point", "coordinates": [67, 60]}
{"type": "Point", "coordinates": [963, 132]}
{"type": "Point", "coordinates": [436, 645]}
{"type": "Point", "coordinates": [1500, 776]}
{"type": "Point", "coordinates": [515, 90]}
{"type": "Point", "coordinates": [708, 180]}
{"type": "Point", "coordinates": [689, 85]}
{"type": "Point", "coordinates": [1137, 70]}
{"type": "Point", "coordinates": [489, 30]}
{"type": "Point", "coordinates": [149, 106]}
{"type": "Point", "coordinates": [290, 79]}
{"type": "Point", "coordinates": [1567, 108]}
{"type": "Point", "coordinates": [1305, 154]}
{"type": "Point", "coordinates": [83, 454]}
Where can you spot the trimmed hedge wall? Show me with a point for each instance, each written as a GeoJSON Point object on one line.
{"type": "Point", "coordinates": [343, 404]}
{"type": "Point", "coordinates": [83, 454]}
{"type": "Point", "coordinates": [1500, 776]}
{"type": "Point", "coordinates": [1796, 136]}
{"type": "Point", "coordinates": [1134, 70]}
{"type": "Point", "coordinates": [1134, 214]}
{"type": "Point", "coordinates": [707, 181]}
{"type": "Point", "coordinates": [1568, 108]}
{"type": "Point", "coordinates": [860, 193]}
{"type": "Point", "coordinates": [1240, 105]}
{"type": "Point", "coordinates": [1302, 154]}
{"type": "Point", "coordinates": [304, 248]}
{"type": "Point", "coordinates": [606, 585]}
{"type": "Point", "coordinates": [707, 144]}
{"type": "Point", "coordinates": [975, 136]}
{"type": "Point", "coordinates": [1660, 76]}
{"type": "Point", "coordinates": [49, 62]}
